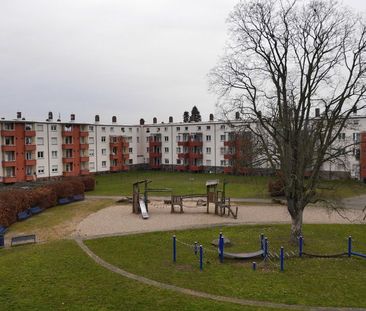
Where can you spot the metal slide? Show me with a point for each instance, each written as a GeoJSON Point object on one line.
{"type": "Point", "coordinates": [144, 212]}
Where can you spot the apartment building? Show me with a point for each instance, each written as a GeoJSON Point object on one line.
{"type": "Point", "coordinates": [54, 148]}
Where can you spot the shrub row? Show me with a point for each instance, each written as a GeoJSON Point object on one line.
{"type": "Point", "coordinates": [16, 200]}
{"type": "Point", "coordinates": [276, 188]}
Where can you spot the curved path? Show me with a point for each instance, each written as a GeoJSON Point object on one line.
{"type": "Point", "coordinates": [186, 291]}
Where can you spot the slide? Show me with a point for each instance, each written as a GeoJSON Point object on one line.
{"type": "Point", "coordinates": [144, 213]}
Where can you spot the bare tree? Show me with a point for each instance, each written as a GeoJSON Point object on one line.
{"type": "Point", "coordinates": [283, 60]}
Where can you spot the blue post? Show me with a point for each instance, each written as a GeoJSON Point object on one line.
{"type": "Point", "coordinates": [282, 259]}
{"type": "Point", "coordinates": [201, 257]}
{"type": "Point", "coordinates": [349, 246]}
{"type": "Point", "coordinates": [254, 266]}
{"type": "Point", "coordinates": [195, 248]}
{"type": "Point", "coordinates": [221, 247]}
{"type": "Point", "coordinates": [2, 243]}
{"type": "Point", "coordinates": [301, 241]}
{"type": "Point", "coordinates": [261, 241]}
{"type": "Point", "coordinates": [174, 248]}
{"type": "Point", "coordinates": [265, 247]}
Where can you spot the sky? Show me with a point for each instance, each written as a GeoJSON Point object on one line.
{"type": "Point", "coordinates": [130, 58]}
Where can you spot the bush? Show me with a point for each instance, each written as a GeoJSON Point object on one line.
{"type": "Point", "coordinates": [44, 197]}
{"type": "Point", "coordinates": [276, 188]}
{"type": "Point", "coordinates": [63, 189]}
{"type": "Point", "coordinates": [12, 202]}
{"type": "Point", "coordinates": [78, 186]}
{"type": "Point", "coordinates": [89, 182]}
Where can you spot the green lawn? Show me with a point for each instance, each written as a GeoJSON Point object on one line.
{"type": "Point", "coordinates": [189, 183]}
{"type": "Point", "coordinates": [308, 281]}
{"type": "Point", "coordinates": [59, 276]}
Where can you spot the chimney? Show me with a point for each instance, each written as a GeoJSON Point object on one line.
{"type": "Point", "coordinates": [59, 118]}
{"type": "Point", "coordinates": [50, 116]}
{"type": "Point", "coordinates": [155, 120]}
{"type": "Point", "coordinates": [97, 119]}
{"type": "Point", "coordinates": [114, 119]}
{"type": "Point", "coordinates": [19, 115]}
{"type": "Point", "coordinates": [170, 119]}
{"type": "Point", "coordinates": [317, 112]}
{"type": "Point", "coordinates": [211, 117]}
{"type": "Point", "coordinates": [354, 109]}
{"type": "Point", "coordinates": [142, 121]}
{"type": "Point", "coordinates": [237, 115]}
{"type": "Point", "coordinates": [72, 117]}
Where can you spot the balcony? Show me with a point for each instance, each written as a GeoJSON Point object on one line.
{"type": "Point", "coordinates": [154, 144]}
{"type": "Point", "coordinates": [7, 133]}
{"type": "Point", "coordinates": [124, 167]}
{"type": "Point", "coordinates": [155, 166]}
{"type": "Point", "coordinates": [114, 145]}
{"type": "Point", "coordinates": [84, 146]}
{"type": "Point", "coordinates": [68, 160]}
{"type": "Point", "coordinates": [195, 143]}
{"type": "Point", "coordinates": [114, 168]}
{"type": "Point", "coordinates": [30, 133]}
{"type": "Point", "coordinates": [195, 155]}
{"type": "Point", "coordinates": [69, 174]}
{"type": "Point", "coordinates": [9, 180]}
{"type": "Point", "coordinates": [29, 178]}
{"type": "Point", "coordinates": [113, 157]}
{"type": "Point", "coordinates": [155, 155]}
{"type": "Point", "coordinates": [9, 163]}
{"type": "Point", "coordinates": [8, 148]}
{"type": "Point", "coordinates": [183, 155]}
{"type": "Point", "coordinates": [84, 172]}
{"type": "Point", "coordinates": [196, 168]}
{"type": "Point", "coordinates": [31, 162]}
{"type": "Point", "coordinates": [181, 168]}
{"type": "Point", "coordinates": [228, 170]}
{"type": "Point", "coordinates": [229, 143]}
{"type": "Point", "coordinates": [84, 133]}
{"type": "Point", "coordinates": [67, 133]}
{"type": "Point", "coordinates": [183, 143]}
{"type": "Point", "coordinates": [125, 143]}
{"type": "Point", "coordinates": [84, 159]}
{"type": "Point", "coordinates": [68, 146]}
{"type": "Point", "coordinates": [30, 147]}
{"type": "Point", "coordinates": [229, 156]}
{"type": "Point", "coordinates": [125, 156]}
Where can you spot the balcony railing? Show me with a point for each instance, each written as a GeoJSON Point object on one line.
{"type": "Point", "coordinates": [7, 133]}
{"type": "Point", "coordinates": [9, 179]}
{"type": "Point", "coordinates": [67, 160]}
{"type": "Point", "coordinates": [5, 148]}
{"type": "Point", "coordinates": [31, 147]}
{"type": "Point", "coordinates": [67, 133]}
{"type": "Point", "coordinates": [30, 133]}
{"type": "Point", "coordinates": [84, 159]}
{"type": "Point", "coordinates": [9, 163]}
{"type": "Point", "coordinates": [155, 155]}
{"type": "Point", "coordinates": [30, 162]}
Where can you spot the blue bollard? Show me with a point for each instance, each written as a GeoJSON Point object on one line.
{"type": "Point", "coordinates": [301, 241]}
{"type": "Point", "coordinates": [349, 246]}
{"type": "Point", "coordinates": [282, 259]}
{"type": "Point", "coordinates": [195, 248]}
{"type": "Point", "coordinates": [174, 248]}
{"type": "Point", "coordinates": [221, 248]}
{"type": "Point", "coordinates": [201, 257]}
{"type": "Point", "coordinates": [254, 266]}
{"type": "Point", "coordinates": [265, 247]}
{"type": "Point", "coordinates": [2, 243]}
{"type": "Point", "coordinates": [262, 241]}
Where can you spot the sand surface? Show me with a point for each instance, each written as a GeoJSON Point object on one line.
{"type": "Point", "coordinates": [119, 219]}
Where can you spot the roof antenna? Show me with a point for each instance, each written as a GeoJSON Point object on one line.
{"type": "Point", "coordinates": [59, 117]}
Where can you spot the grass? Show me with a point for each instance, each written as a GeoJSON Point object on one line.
{"type": "Point", "coordinates": [59, 276]}
{"type": "Point", "coordinates": [59, 221]}
{"type": "Point", "coordinates": [189, 183]}
{"type": "Point", "coordinates": [310, 281]}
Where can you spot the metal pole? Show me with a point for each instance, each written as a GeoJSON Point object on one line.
{"type": "Point", "coordinates": [221, 247]}
{"type": "Point", "coordinates": [282, 259]}
{"type": "Point", "coordinates": [261, 241]}
{"type": "Point", "coordinates": [195, 248]}
{"type": "Point", "coordinates": [300, 245]}
{"type": "Point", "coordinates": [254, 266]}
{"type": "Point", "coordinates": [349, 246]}
{"type": "Point", "coordinates": [201, 257]}
{"type": "Point", "coordinates": [265, 247]}
{"type": "Point", "coordinates": [174, 248]}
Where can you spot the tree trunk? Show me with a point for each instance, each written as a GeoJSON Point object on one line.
{"type": "Point", "coordinates": [296, 212]}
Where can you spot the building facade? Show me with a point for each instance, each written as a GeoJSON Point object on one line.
{"type": "Point", "coordinates": [53, 148]}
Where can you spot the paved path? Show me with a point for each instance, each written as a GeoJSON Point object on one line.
{"type": "Point", "coordinates": [186, 291]}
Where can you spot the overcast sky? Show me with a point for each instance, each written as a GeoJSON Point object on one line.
{"type": "Point", "coordinates": [130, 58]}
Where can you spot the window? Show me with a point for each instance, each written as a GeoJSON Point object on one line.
{"type": "Point", "coordinates": [147, 130]}
{"type": "Point", "coordinates": [222, 162]}
{"type": "Point", "coordinates": [222, 150]}
{"type": "Point", "coordinates": [222, 127]}
{"type": "Point", "coordinates": [208, 137]}
{"type": "Point", "coordinates": [9, 126]}
{"type": "Point", "coordinates": [40, 141]}
{"type": "Point", "coordinates": [39, 127]}
{"type": "Point", "coordinates": [208, 127]}
{"type": "Point", "coordinates": [68, 140]}
{"type": "Point", "coordinates": [208, 162]}
{"type": "Point", "coordinates": [178, 149]}
{"type": "Point", "coordinates": [53, 140]}
{"type": "Point", "coordinates": [178, 128]}
{"type": "Point", "coordinates": [165, 129]}
{"type": "Point", "coordinates": [166, 138]}
{"type": "Point", "coordinates": [104, 151]}
{"type": "Point", "coordinates": [40, 154]}
{"type": "Point", "coordinates": [130, 129]}
{"type": "Point", "coordinates": [111, 129]}
{"type": "Point", "coordinates": [222, 137]}
{"type": "Point", "coordinates": [54, 169]}
{"type": "Point", "coordinates": [9, 140]}
{"type": "Point", "coordinates": [166, 161]}
{"type": "Point", "coordinates": [103, 128]}
{"type": "Point", "coordinates": [40, 170]}
{"type": "Point", "coordinates": [186, 128]}
{"type": "Point", "coordinates": [178, 161]}
{"type": "Point", "coordinates": [342, 136]}
{"type": "Point", "coordinates": [91, 128]}
{"type": "Point", "coordinates": [103, 139]}
{"type": "Point", "coordinates": [138, 140]}
{"type": "Point", "coordinates": [54, 154]}
{"type": "Point", "coordinates": [91, 152]}
{"type": "Point", "coordinates": [91, 140]}
{"type": "Point", "coordinates": [130, 161]}
{"type": "Point", "coordinates": [198, 128]}
{"type": "Point", "coordinates": [53, 127]}
{"type": "Point", "coordinates": [147, 149]}
{"type": "Point", "coordinates": [166, 149]}
{"type": "Point", "coordinates": [104, 164]}
{"type": "Point", "coordinates": [147, 139]}
{"type": "Point", "coordinates": [130, 150]}
{"type": "Point", "coordinates": [91, 165]}
{"type": "Point", "coordinates": [28, 155]}
{"type": "Point", "coordinates": [208, 150]}
{"type": "Point", "coordinates": [356, 137]}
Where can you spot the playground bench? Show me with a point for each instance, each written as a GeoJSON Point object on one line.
{"type": "Point", "coordinates": [23, 239]}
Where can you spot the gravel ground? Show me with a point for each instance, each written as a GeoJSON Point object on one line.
{"type": "Point", "coordinates": [120, 220]}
